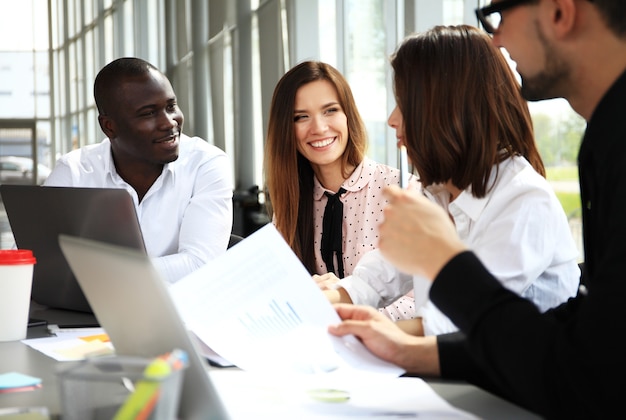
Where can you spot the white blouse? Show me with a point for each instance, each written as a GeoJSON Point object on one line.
{"type": "Point", "coordinates": [518, 230]}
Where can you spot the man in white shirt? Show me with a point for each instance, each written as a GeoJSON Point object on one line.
{"type": "Point", "coordinates": [181, 186]}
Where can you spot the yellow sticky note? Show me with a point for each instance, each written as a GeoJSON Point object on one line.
{"type": "Point", "coordinates": [102, 337]}
{"type": "Point", "coordinates": [90, 348]}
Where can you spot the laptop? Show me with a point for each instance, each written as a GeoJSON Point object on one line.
{"type": "Point", "coordinates": [121, 285]}
{"type": "Point", "coordinates": [38, 215]}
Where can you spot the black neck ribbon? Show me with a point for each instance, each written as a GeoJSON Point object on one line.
{"type": "Point", "coordinates": [332, 240]}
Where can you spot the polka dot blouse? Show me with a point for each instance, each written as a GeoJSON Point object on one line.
{"type": "Point", "coordinates": [363, 204]}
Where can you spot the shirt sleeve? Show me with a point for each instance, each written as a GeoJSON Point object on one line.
{"type": "Point", "coordinates": [61, 175]}
{"type": "Point", "coordinates": [434, 321]}
{"type": "Point", "coordinates": [412, 304]}
{"type": "Point", "coordinates": [457, 363]}
{"type": "Point", "coordinates": [528, 246]}
{"type": "Point", "coordinates": [376, 282]}
{"type": "Point", "coordinates": [403, 308]}
{"type": "Point", "coordinates": [207, 221]}
{"type": "Point", "coordinates": [549, 365]}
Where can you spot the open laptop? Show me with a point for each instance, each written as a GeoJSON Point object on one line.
{"type": "Point", "coordinates": [38, 215]}
{"type": "Point", "coordinates": [133, 305]}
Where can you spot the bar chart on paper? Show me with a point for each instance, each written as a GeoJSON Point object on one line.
{"type": "Point", "coordinates": [257, 307]}
{"type": "Point", "coordinates": [277, 318]}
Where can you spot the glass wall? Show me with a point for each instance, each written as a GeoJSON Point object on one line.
{"type": "Point", "coordinates": [224, 58]}
{"type": "Point", "coordinates": [25, 85]}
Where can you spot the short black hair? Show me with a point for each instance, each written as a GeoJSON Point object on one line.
{"type": "Point", "coordinates": [614, 14]}
{"type": "Point", "coordinates": [110, 74]}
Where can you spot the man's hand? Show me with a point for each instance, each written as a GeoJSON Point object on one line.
{"type": "Point", "coordinates": [384, 339]}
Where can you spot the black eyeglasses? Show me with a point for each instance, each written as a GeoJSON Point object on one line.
{"type": "Point", "coordinates": [490, 17]}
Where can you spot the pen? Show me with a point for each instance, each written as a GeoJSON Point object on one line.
{"type": "Point", "coordinates": [404, 168]}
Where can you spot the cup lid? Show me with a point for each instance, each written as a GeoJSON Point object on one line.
{"type": "Point", "coordinates": [16, 256]}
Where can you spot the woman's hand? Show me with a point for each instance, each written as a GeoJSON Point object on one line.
{"type": "Point", "coordinates": [326, 281]}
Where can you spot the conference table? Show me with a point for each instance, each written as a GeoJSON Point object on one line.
{"type": "Point", "coordinates": [16, 356]}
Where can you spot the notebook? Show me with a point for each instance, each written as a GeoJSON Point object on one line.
{"type": "Point", "coordinates": [122, 285]}
{"type": "Point", "coordinates": [38, 215]}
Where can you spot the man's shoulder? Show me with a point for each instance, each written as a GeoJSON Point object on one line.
{"type": "Point", "coordinates": [198, 146]}
{"type": "Point", "coordinates": [88, 151]}
{"type": "Point", "coordinates": [198, 143]}
{"type": "Point", "coordinates": [517, 173]}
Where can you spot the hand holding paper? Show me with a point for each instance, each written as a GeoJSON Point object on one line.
{"type": "Point", "coordinates": [257, 307]}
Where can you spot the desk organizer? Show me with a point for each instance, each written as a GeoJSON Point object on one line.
{"type": "Point", "coordinates": [122, 388]}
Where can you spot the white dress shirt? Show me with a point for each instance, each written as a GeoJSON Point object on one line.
{"type": "Point", "coordinates": [519, 231]}
{"type": "Point", "coordinates": [185, 217]}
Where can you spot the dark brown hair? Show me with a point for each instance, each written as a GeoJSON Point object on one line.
{"type": "Point", "coordinates": [614, 14]}
{"type": "Point", "coordinates": [288, 175]}
{"type": "Point", "coordinates": [462, 108]}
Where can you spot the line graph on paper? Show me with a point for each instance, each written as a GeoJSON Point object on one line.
{"type": "Point", "coordinates": [275, 319]}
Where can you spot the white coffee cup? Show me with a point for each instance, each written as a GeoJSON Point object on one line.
{"type": "Point", "coordinates": [16, 280]}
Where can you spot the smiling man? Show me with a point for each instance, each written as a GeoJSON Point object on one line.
{"type": "Point", "coordinates": [181, 185]}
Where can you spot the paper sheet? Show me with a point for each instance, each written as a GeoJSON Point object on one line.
{"type": "Point", "coordinates": [362, 395]}
{"type": "Point", "coordinates": [16, 382]}
{"type": "Point", "coordinates": [73, 344]}
{"type": "Point", "coordinates": [258, 307]}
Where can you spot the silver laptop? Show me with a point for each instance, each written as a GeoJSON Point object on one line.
{"type": "Point", "coordinates": [38, 215]}
{"type": "Point", "coordinates": [133, 305]}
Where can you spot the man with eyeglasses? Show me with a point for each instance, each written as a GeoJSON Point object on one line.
{"type": "Point", "coordinates": [490, 16]}
{"type": "Point", "coordinates": [569, 362]}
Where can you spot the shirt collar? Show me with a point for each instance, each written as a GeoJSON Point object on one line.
{"type": "Point", "coordinates": [357, 181]}
{"type": "Point", "coordinates": [171, 168]}
{"type": "Point", "coordinates": [109, 165]}
{"type": "Point", "coordinates": [111, 171]}
{"type": "Point", "coordinates": [469, 205]}
{"type": "Point", "coordinates": [466, 203]}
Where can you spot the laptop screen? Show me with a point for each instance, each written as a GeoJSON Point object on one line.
{"type": "Point", "coordinates": [38, 215]}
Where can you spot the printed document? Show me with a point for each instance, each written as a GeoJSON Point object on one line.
{"type": "Point", "coordinates": [257, 307]}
